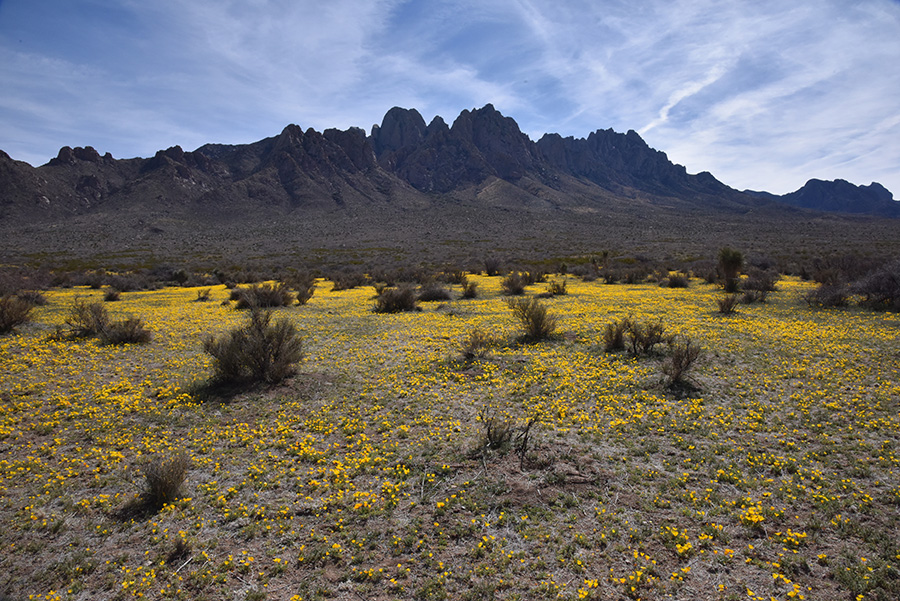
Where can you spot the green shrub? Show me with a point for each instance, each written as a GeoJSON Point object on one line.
{"type": "Point", "coordinates": [164, 478]}
{"type": "Point", "coordinates": [13, 312]}
{"type": "Point", "coordinates": [263, 296]}
{"type": "Point", "coordinates": [86, 319]}
{"type": "Point", "coordinates": [534, 317]}
{"type": "Point", "coordinates": [127, 331]}
{"type": "Point", "coordinates": [513, 284]}
{"type": "Point", "coordinates": [395, 300]}
{"type": "Point", "coordinates": [730, 263]}
{"type": "Point", "coordinates": [260, 351]}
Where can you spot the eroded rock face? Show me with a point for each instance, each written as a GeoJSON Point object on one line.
{"type": "Point", "coordinates": [402, 157]}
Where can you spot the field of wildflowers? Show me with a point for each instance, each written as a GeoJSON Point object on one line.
{"type": "Point", "coordinates": [774, 475]}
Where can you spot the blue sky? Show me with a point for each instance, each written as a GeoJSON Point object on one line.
{"type": "Point", "coordinates": [763, 94]}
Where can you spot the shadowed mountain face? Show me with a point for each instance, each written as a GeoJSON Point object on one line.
{"type": "Point", "coordinates": [482, 156]}
{"type": "Point", "coordinates": [411, 191]}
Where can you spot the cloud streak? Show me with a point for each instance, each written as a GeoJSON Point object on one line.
{"type": "Point", "coordinates": [764, 95]}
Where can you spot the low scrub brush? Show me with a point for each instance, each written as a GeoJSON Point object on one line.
{"type": "Point", "coordinates": [260, 351]}
{"type": "Point", "coordinates": [395, 300]}
{"type": "Point", "coordinates": [14, 311]}
{"type": "Point", "coordinates": [534, 317]}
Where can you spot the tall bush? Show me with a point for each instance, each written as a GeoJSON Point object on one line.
{"type": "Point", "coordinates": [260, 351]}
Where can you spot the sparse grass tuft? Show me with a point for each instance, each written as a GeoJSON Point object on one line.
{"type": "Point", "coordinates": [164, 477]}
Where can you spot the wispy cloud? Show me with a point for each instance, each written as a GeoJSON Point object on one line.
{"type": "Point", "coordinates": [764, 94]}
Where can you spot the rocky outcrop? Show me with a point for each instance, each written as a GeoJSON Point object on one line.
{"type": "Point", "coordinates": [843, 197]}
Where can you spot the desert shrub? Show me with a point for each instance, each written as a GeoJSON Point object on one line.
{"type": "Point", "coordinates": [470, 289]}
{"type": "Point", "coordinates": [433, 291]}
{"type": "Point", "coordinates": [86, 319]}
{"type": "Point", "coordinates": [304, 284]}
{"type": "Point", "coordinates": [827, 295]}
{"type": "Point", "coordinates": [348, 281]}
{"type": "Point", "coordinates": [260, 351]}
{"type": "Point", "coordinates": [533, 277]}
{"type": "Point", "coordinates": [112, 295]}
{"type": "Point", "coordinates": [396, 299]}
{"type": "Point", "coordinates": [35, 298]}
{"type": "Point", "coordinates": [675, 280]}
{"type": "Point", "coordinates": [455, 276]}
{"type": "Point", "coordinates": [164, 478]}
{"type": "Point", "coordinates": [614, 335]}
{"type": "Point", "coordinates": [263, 296]}
{"type": "Point", "coordinates": [683, 357]}
{"type": "Point", "coordinates": [760, 281]}
{"type": "Point", "coordinates": [557, 288]}
{"type": "Point", "coordinates": [534, 317]}
{"type": "Point", "coordinates": [13, 312]}
{"type": "Point", "coordinates": [730, 263]}
{"type": "Point", "coordinates": [491, 266]}
{"type": "Point", "coordinates": [642, 337]}
{"type": "Point", "coordinates": [203, 295]}
{"type": "Point", "coordinates": [126, 331]}
{"type": "Point", "coordinates": [476, 344]}
{"type": "Point", "coordinates": [881, 288]}
{"type": "Point", "coordinates": [727, 303]}
{"type": "Point", "coordinates": [513, 284]}
{"type": "Point", "coordinates": [754, 296]}
{"type": "Point", "coordinates": [305, 293]}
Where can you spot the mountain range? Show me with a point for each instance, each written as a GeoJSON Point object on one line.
{"type": "Point", "coordinates": [411, 192]}
{"type": "Point", "coordinates": [483, 157]}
